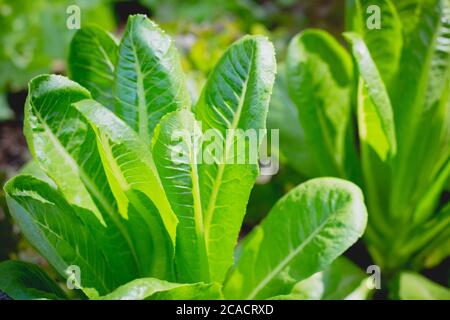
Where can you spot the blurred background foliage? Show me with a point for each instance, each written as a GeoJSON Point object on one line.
{"type": "Point", "coordinates": [34, 39]}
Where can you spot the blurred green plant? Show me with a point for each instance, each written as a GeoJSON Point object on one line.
{"type": "Point", "coordinates": [396, 85]}
{"type": "Point", "coordinates": [204, 11]}
{"type": "Point", "coordinates": [413, 286]}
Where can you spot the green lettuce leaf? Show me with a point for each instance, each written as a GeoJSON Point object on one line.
{"type": "Point", "coordinates": [67, 235]}
{"type": "Point", "coordinates": [92, 62]}
{"type": "Point", "coordinates": [25, 281]}
{"type": "Point", "coordinates": [422, 115]}
{"type": "Point", "coordinates": [155, 289]}
{"type": "Point", "coordinates": [379, 108]}
{"type": "Point", "coordinates": [384, 44]}
{"type": "Point", "coordinates": [65, 146]}
{"type": "Point", "coordinates": [325, 215]}
{"type": "Point", "coordinates": [134, 182]}
{"type": "Point", "coordinates": [342, 280]}
{"type": "Point", "coordinates": [320, 82]}
{"type": "Point", "coordinates": [283, 116]}
{"type": "Point", "coordinates": [149, 81]}
{"type": "Point", "coordinates": [413, 286]}
{"type": "Point", "coordinates": [236, 96]}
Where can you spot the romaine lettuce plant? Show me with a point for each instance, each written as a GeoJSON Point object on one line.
{"type": "Point", "coordinates": [111, 202]}
{"type": "Point", "coordinates": [396, 82]}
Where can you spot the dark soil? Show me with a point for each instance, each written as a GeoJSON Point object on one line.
{"type": "Point", "coordinates": [4, 296]}
{"type": "Point", "coordinates": [13, 149]}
